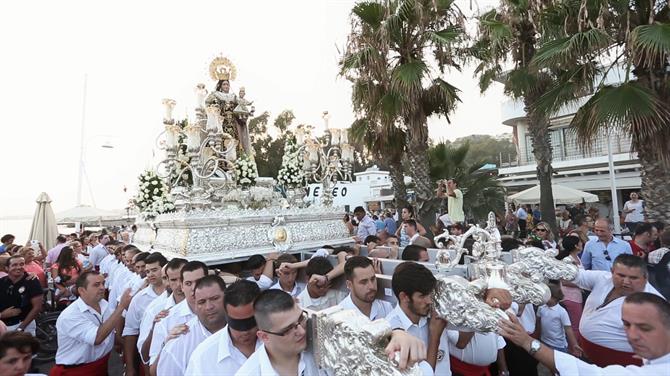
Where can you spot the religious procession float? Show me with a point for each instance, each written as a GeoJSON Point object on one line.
{"type": "Point", "coordinates": [205, 201]}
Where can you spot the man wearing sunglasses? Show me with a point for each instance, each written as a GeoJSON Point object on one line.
{"type": "Point", "coordinates": [225, 351]}
{"type": "Point", "coordinates": [603, 335]}
{"type": "Point", "coordinates": [599, 253]}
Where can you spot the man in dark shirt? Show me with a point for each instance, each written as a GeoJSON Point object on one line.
{"type": "Point", "coordinates": [20, 297]}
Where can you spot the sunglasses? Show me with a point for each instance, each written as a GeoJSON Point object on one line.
{"type": "Point", "coordinates": [541, 230]}
{"type": "Point", "coordinates": [301, 320]}
{"type": "Point", "coordinates": [607, 255]}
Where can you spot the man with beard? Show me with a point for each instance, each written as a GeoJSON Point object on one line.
{"type": "Point", "coordinates": [153, 264]}
{"type": "Point", "coordinates": [362, 284]}
{"type": "Point", "coordinates": [210, 318]}
{"type": "Point", "coordinates": [225, 351]}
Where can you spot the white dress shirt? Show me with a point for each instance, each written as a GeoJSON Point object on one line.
{"type": "Point", "coordinates": [366, 228]}
{"type": "Point", "coordinates": [527, 318]}
{"type": "Point", "coordinates": [77, 328]}
{"type": "Point", "coordinates": [380, 308]}
{"type": "Point", "coordinates": [603, 326]}
{"type": "Point", "coordinates": [163, 301]}
{"type": "Point", "coordinates": [176, 353]}
{"type": "Point", "coordinates": [482, 349]}
{"type": "Point", "coordinates": [217, 356]}
{"type": "Point", "coordinates": [105, 263]}
{"type": "Point", "coordinates": [179, 314]}
{"type": "Point", "coordinates": [569, 365]}
{"type": "Point", "coordinates": [264, 282]}
{"type": "Point", "coordinates": [553, 321]}
{"type": "Point", "coordinates": [259, 364]}
{"type": "Point", "coordinates": [332, 298]}
{"type": "Point", "coordinates": [97, 254]}
{"type": "Point", "coordinates": [398, 319]}
{"type": "Point", "coordinates": [297, 288]}
{"type": "Point", "coordinates": [120, 278]}
{"type": "Point", "coordinates": [136, 309]}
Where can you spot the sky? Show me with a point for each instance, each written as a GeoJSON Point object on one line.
{"type": "Point", "coordinates": [135, 53]}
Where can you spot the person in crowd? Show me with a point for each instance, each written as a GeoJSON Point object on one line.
{"type": "Point", "coordinates": [92, 241]}
{"type": "Point", "coordinates": [519, 362]}
{"type": "Point", "coordinates": [85, 329]}
{"type": "Point", "coordinates": [471, 353]}
{"type": "Point", "coordinates": [366, 226]}
{"type": "Point", "coordinates": [110, 262]}
{"type": "Point", "coordinates": [7, 242]}
{"type": "Point", "coordinates": [389, 223]}
{"type": "Point", "coordinates": [376, 249]}
{"type": "Point", "coordinates": [180, 314]}
{"type": "Point", "coordinates": [65, 272]}
{"type": "Point", "coordinates": [642, 239]}
{"type": "Point", "coordinates": [225, 351]}
{"type": "Point", "coordinates": [537, 214]}
{"type": "Point", "coordinates": [160, 307]}
{"type": "Point", "coordinates": [210, 317]}
{"type": "Point", "coordinates": [33, 266]}
{"type": "Point", "coordinates": [415, 253]}
{"type": "Point", "coordinates": [600, 326]}
{"type": "Point", "coordinates": [664, 247]}
{"type": "Point", "coordinates": [553, 324]}
{"type": "Point", "coordinates": [573, 300]}
{"type": "Point", "coordinates": [415, 238]}
{"type": "Point", "coordinates": [319, 296]}
{"type": "Point", "coordinates": [379, 223]}
{"type": "Point", "coordinates": [407, 213]}
{"type": "Point", "coordinates": [83, 260]}
{"type": "Point", "coordinates": [454, 200]}
{"type": "Point", "coordinates": [261, 270]}
{"type": "Point", "coordinates": [511, 224]}
{"type": "Point", "coordinates": [522, 220]}
{"type": "Point", "coordinates": [154, 266]}
{"type": "Point", "coordinates": [124, 274]}
{"type": "Point", "coordinates": [599, 253]}
{"type": "Point", "coordinates": [286, 277]}
{"type": "Point", "coordinates": [646, 321]}
{"type": "Point", "coordinates": [16, 353]}
{"type": "Point", "coordinates": [544, 234]}
{"type": "Point", "coordinates": [20, 297]}
{"type": "Point", "coordinates": [565, 223]}
{"type": "Point", "coordinates": [99, 252]}
{"type": "Point", "coordinates": [392, 241]}
{"type": "Point", "coordinates": [52, 254]}
{"type": "Point", "coordinates": [582, 229]}
{"type": "Point", "coordinates": [634, 211]}
{"type": "Point", "coordinates": [361, 281]}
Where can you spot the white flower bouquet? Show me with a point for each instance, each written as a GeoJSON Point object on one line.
{"type": "Point", "coordinates": [246, 171]}
{"type": "Point", "coordinates": [291, 173]}
{"type": "Point", "coordinates": [152, 196]}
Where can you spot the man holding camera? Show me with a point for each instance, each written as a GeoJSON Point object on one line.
{"type": "Point", "coordinates": [449, 189]}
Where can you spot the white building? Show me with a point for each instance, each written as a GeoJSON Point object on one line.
{"type": "Point", "coordinates": [573, 167]}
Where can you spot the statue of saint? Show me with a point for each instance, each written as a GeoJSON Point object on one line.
{"type": "Point", "coordinates": [242, 113]}
{"type": "Point", "coordinates": [226, 101]}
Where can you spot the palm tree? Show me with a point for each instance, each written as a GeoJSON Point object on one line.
{"type": "Point", "coordinates": [597, 37]}
{"type": "Point", "coordinates": [389, 56]}
{"type": "Point", "coordinates": [387, 146]}
{"type": "Point", "coordinates": [510, 33]}
{"type": "Point", "coordinates": [481, 191]}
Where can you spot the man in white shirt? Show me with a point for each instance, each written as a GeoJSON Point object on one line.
{"type": "Point", "coordinates": [173, 324]}
{"type": "Point", "coordinates": [646, 320]}
{"type": "Point", "coordinates": [225, 351]}
{"type": "Point", "coordinates": [85, 329]}
{"type": "Point", "coordinates": [124, 276]}
{"type": "Point", "coordinates": [473, 352]}
{"type": "Point", "coordinates": [414, 237]}
{"type": "Point", "coordinates": [362, 284]}
{"type": "Point", "coordinates": [99, 252]}
{"type": "Point", "coordinates": [160, 307]}
{"type": "Point", "coordinates": [366, 226]}
{"type": "Point", "coordinates": [286, 277]}
{"type": "Point", "coordinates": [261, 270]}
{"type": "Point", "coordinates": [210, 318]}
{"type": "Point", "coordinates": [319, 296]}
{"type": "Point", "coordinates": [131, 330]}
{"type": "Point", "coordinates": [603, 335]}
{"type": "Point", "coordinates": [518, 360]}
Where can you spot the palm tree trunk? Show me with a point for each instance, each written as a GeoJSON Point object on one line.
{"type": "Point", "coordinates": [655, 187]}
{"type": "Point", "coordinates": [398, 182]}
{"type": "Point", "coordinates": [419, 168]}
{"type": "Point", "coordinates": [538, 127]}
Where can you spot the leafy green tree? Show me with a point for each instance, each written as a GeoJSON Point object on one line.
{"type": "Point", "coordinates": [396, 55]}
{"type": "Point", "coordinates": [488, 149]}
{"type": "Point", "coordinates": [594, 39]}
{"type": "Point", "coordinates": [267, 148]}
{"type": "Point", "coordinates": [481, 190]}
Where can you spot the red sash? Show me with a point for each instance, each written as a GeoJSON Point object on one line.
{"type": "Point", "coordinates": [466, 369]}
{"type": "Point", "coordinates": [97, 368]}
{"type": "Point", "coordinates": [604, 356]}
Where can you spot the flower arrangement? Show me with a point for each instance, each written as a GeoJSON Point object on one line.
{"type": "Point", "coordinates": [152, 196]}
{"type": "Point", "coordinates": [246, 171]}
{"type": "Point", "coordinates": [291, 174]}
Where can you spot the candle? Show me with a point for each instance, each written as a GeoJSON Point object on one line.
{"type": "Point", "coordinates": [213, 120]}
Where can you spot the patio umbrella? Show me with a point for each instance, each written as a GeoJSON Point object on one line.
{"type": "Point", "coordinates": [562, 195]}
{"type": "Point", "coordinates": [44, 226]}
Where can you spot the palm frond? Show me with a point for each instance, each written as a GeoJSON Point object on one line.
{"type": "Point", "coordinates": [406, 77]}
{"type": "Point", "coordinates": [568, 87]}
{"type": "Point", "coordinates": [371, 13]}
{"type": "Point", "coordinates": [364, 57]}
{"type": "Point", "coordinates": [440, 98]}
{"type": "Point", "coordinates": [570, 49]}
{"type": "Point", "coordinates": [446, 36]}
{"type": "Point", "coordinates": [650, 44]}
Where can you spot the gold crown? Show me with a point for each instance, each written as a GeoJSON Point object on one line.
{"type": "Point", "coordinates": [222, 69]}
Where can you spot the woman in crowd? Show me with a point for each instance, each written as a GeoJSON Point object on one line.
{"type": "Point", "coordinates": [573, 300]}
{"type": "Point", "coordinates": [543, 232]}
{"type": "Point", "coordinates": [565, 223]}
{"type": "Point", "coordinates": [33, 266]}
{"type": "Point", "coordinates": [583, 228]}
{"type": "Point", "coordinates": [634, 211]}
{"type": "Point", "coordinates": [407, 213]}
{"type": "Point", "coordinates": [64, 273]}
{"type": "Point", "coordinates": [511, 225]}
